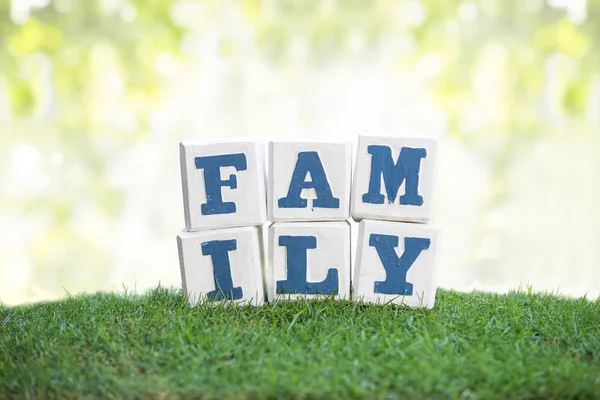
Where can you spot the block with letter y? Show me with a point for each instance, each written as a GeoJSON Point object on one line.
{"type": "Point", "coordinates": [396, 262]}
{"type": "Point", "coordinates": [394, 179]}
{"type": "Point", "coordinates": [223, 184]}
{"type": "Point", "coordinates": [222, 264]}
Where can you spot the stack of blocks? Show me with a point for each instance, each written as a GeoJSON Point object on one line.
{"type": "Point", "coordinates": [309, 197]}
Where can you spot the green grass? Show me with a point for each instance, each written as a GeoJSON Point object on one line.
{"type": "Point", "coordinates": [476, 345]}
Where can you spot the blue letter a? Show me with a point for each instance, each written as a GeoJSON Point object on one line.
{"type": "Point", "coordinates": [309, 161]}
{"type": "Point", "coordinates": [296, 283]}
{"type": "Point", "coordinates": [407, 168]}
{"type": "Point", "coordinates": [213, 182]}
{"type": "Point", "coordinates": [396, 268]}
{"type": "Point", "coordinates": [219, 252]}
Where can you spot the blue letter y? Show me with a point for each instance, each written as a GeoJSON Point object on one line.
{"type": "Point", "coordinates": [396, 268]}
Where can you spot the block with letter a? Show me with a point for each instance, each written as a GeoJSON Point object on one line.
{"type": "Point", "coordinates": [396, 262]}
{"type": "Point", "coordinates": [309, 181]}
{"type": "Point", "coordinates": [223, 184]}
{"type": "Point", "coordinates": [222, 264]}
{"type": "Point", "coordinates": [394, 179]}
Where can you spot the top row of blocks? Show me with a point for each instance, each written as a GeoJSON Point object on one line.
{"type": "Point", "coordinates": [224, 182]}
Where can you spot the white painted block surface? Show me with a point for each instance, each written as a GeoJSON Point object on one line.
{"type": "Point", "coordinates": [223, 184]}
{"type": "Point", "coordinates": [222, 264]}
{"type": "Point", "coordinates": [309, 259]}
{"type": "Point", "coordinates": [309, 181]}
{"type": "Point", "coordinates": [398, 246]}
{"type": "Point", "coordinates": [394, 179]}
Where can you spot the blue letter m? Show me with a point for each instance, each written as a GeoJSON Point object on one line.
{"type": "Point", "coordinates": [407, 169]}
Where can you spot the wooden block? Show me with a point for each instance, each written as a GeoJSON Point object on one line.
{"type": "Point", "coordinates": [309, 259]}
{"type": "Point", "coordinates": [394, 179]}
{"type": "Point", "coordinates": [309, 181]}
{"type": "Point", "coordinates": [223, 184]}
{"type": "Point", "coordinates": [396, 262]}
{"type": "Point", "coordinates": [222, 264]}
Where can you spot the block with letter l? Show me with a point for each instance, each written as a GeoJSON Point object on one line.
{"type": "Point", "coordinates": [396, 262]}
{"type": "Point", "coordinates": [394, 179]}
{"type": "Point", "coordinates": [309, 259]}
{"type": "Point", "coordinates": [223, 184]}
{"type": "Point", "coordinates": [222, 265]}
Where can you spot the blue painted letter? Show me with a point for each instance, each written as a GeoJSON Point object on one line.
{"type": "Point", "coordinates": [213, 182]}
{"type": "Point", "coordinates": [407, 169]}
{"type": "Point", "coordinates": [396, 268]}
{"type": "Point", "coordinates": [219, 254]}
{"type": "Point", "coordinates": [309, 161]}
{"type": "Point", "coordinates": [296, 283]}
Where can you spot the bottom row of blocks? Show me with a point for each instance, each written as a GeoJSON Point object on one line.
{"type": "Point", "coordinates": [395, 262]}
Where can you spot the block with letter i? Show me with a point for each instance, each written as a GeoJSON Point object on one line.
{"type": "Point", "coordinates": [309, 259]}
{"type": "Point", "coordinates": [222, 264]}
{"type": "Point", "coordinates": [396, 262]}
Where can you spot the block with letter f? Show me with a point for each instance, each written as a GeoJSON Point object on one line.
{"type": "Point", "coordinates": [223, 184]}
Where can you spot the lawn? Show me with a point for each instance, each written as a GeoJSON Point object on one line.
{"type": "Point", "coordinates": [471, 345]}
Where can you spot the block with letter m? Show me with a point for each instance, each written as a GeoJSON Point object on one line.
{"type": "Point", "coordinates": [394, 179]}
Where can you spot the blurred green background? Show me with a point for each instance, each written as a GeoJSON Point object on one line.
{"type": "Point", "coordinates": [96, 94]}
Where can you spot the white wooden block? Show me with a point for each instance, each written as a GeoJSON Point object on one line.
{"type": "Point", "coordinates": [309, 181]}
{"type": "Point", "coordinates": [385, 251]}
{"type": "Point", "coordinates": [223, 184]}
{"type": "Point", "coordinates": [222, 264]}
{"type": "Point", "coordinates": [308, 259]}
{"type": "Point", "coordinates": [394, 179]}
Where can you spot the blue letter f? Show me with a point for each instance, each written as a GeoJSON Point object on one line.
{"type": "Point", "coordinates": [213, 182]}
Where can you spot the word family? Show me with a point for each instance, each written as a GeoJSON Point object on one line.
{"type": "Point", "coordinates": [309, 194]}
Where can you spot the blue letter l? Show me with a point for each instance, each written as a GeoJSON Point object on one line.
{"type": "Point", "coordinates": [296, 283]}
